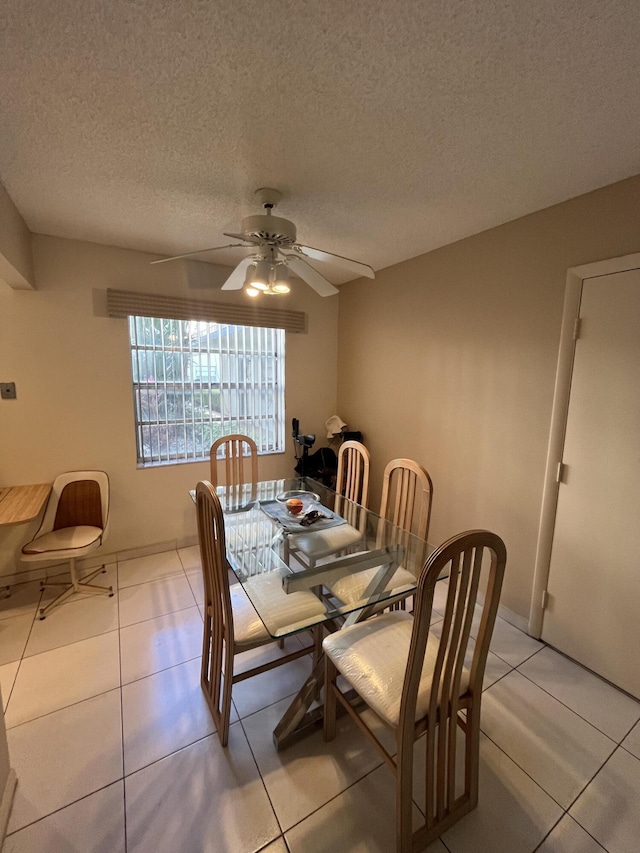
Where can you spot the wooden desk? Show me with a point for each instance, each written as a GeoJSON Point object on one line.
{"type": "Point", "coordinates": [19, 504]}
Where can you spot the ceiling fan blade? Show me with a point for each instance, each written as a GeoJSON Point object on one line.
{"type": "Point", "coordinates": [253, 240]}
{"type": "Point", "coordinates": [237, 277]}
{"type": "Point", "coordinates": [346, 263]}
{"type": "Point", "coordinates": [313, 278]}
{"type": "Point", "coordinates": [200, 251]}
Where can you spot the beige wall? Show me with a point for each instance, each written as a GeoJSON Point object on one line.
{"type": "Point", "coordinates": [16, 267]}
{"type": "Point", "coordinates": [450, 359]}
{"type": "Point", "coordinates": [74, 406]}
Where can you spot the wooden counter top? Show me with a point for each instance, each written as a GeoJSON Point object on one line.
{"type": "Point", "coordinates": [19, 504]}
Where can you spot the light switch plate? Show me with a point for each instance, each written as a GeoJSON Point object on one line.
{"type": "Point", "coordinates": [8, 390]}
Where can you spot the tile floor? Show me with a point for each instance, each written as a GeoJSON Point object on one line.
{"type": "Point", "coordinates": [115, 749]}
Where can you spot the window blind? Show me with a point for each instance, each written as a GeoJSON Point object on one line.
{"type": "Point", "coordinates": [194, 381]}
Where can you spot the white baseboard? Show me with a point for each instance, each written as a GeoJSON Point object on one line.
{"type": "Point", "coordinates": [36, 574]}
{"type": "Point", "coordinates": [514, 619]}
{"type": "Point", "coordinates": [156, 548]}
{"type": "Point", "coordinates": [146, 550]}
{"type": "Point", "coordinates": [187, 542]}
{"type": "Point", "coordinates": [7, 802]}
{"type": "Point", "coordinates": [519, 622]}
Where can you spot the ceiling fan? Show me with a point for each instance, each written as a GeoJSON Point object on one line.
{"type": "Point", "coordinates": [275, 252]}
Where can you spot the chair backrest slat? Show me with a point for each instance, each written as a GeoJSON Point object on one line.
{"type": "Point", "coordinates": [407, 492]}
{"type": "Point", "coordinates": [211, 538]}
{"type": "Point", "coordinates": [240, 457]}
{"type": "Point", "coordinates": [352, 478]}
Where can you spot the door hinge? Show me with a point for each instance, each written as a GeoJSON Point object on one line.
{"type": "Point", "coordinates": [545, 599]}
{"type": "Point", "coordinates": [576, 328]}
{"type": "Point", "coordinates": [560, 473]}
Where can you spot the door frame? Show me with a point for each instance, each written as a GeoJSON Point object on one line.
{"type": "Point", "coordinates": [559, 414]}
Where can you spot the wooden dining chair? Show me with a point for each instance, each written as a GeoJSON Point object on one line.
{"type": "Point", "coordinates": [74, 525]}
{"type": "Point", "coordinates": [405, 514]}
{"type": "Point", "coordinates": [407, 493]}
{"type": "Point", "coordinates": [352, 492]}
{"type": "Point", "coordinates": [231, 624]}
{"type": "Point", "coordinates": [417, 684]}
{"type": "Point", "coordinates": [352, 478]}
{"type": "Point", "coordinates": [240, 459]}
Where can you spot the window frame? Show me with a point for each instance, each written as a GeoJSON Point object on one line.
{"type": "Point", "coordinates": [250, 363]}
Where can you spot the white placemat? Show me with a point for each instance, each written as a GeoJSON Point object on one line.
{"type": "Point", "coordinates": [291, 524]}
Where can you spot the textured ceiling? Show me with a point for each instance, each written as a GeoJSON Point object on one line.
{"type": "Point", "coordinates": [391, 127]}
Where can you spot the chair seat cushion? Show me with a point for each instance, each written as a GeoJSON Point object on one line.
{"type": "Point", "coordinates": [294, 611]}
{"type": "Point", "coordinates": [248, 627]}
{"type": "Point", "coordinates": [321, 543]}
{"type": "Point", "coordinates": [351, 588]}
{"type": "Point", "coordinates": [373, 655]}
{"type": "Point", "coordinates": [63, 543]}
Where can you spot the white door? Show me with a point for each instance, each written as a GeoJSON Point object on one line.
{"type": "Point", "coordinates": [593, 604]}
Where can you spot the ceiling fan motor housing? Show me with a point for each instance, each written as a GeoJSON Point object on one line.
{"type": "Point", "coordinates": [269, 229]}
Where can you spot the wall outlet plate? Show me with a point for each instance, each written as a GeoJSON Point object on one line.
{"type": "Point", "coordinates": [7, 390]}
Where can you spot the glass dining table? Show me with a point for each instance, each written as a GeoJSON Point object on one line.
{"type": "Point", "coordinates": [379, 567]}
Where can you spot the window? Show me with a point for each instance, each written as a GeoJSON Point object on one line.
{"type": "Point", "coordinates": [194, 381]}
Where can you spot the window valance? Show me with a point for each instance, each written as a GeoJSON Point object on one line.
{"type": "Point", "coordinates": [127, 303]}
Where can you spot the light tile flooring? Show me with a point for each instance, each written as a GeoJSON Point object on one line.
{"type": "Point", "coordinates": [115, 749]}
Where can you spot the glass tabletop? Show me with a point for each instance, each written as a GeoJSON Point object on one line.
{"type": "Point", "coordinates": [381, 563]}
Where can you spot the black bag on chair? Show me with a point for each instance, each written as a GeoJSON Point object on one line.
{"type": "Point", "coordinates": [321, 465]}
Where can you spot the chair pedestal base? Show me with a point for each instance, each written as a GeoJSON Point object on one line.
{"type": "Point", "coordinates": [76, 585]}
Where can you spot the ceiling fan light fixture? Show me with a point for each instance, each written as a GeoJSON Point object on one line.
{"type": "Point", "coordinates": [281, 273]}
{"type": "Point", "coordinates": [281, 279]}
{"type": "Point", "coordinates": [252, 286]}
{"type": "Point", "coordinates": [260, 274]}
